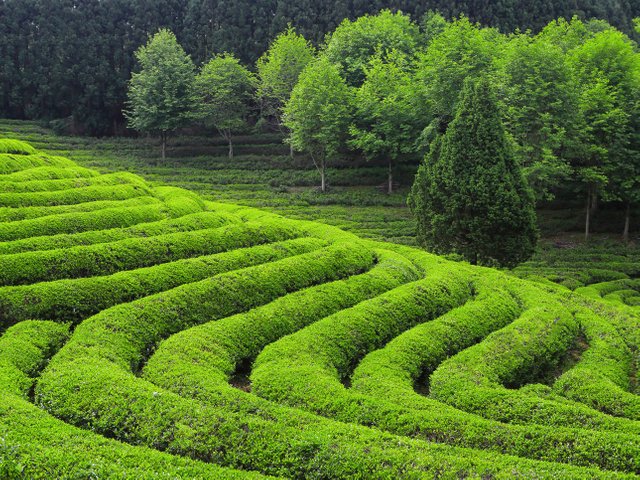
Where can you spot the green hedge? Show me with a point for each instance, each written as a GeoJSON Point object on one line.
{"type": "Point", "coordinates": [301, 371]}
{"type": "Point", "coordinates": [10, 214]}
{"type": "Point", "coordinates": [17, 147]}
{"type": "Point", "coordinates": [91, 382]}
{"type": "Point", "coordinates": [11, 163]}
{"type": "Point", "coordinates": [111, 179]}
{"type": "Point", "coordinates": [486, 379]}
{"type": "Point", "coordinates": [602, 377]}
{"type": "Point", "coordinates": [74, 195]}
{"type": "Point", "coordinates": [73, 300]}
{"type": "Point", "coordinates": [35, 445]}
{"type": "Point", "coordinates": [178, 201]}
{"type": "Point", "coordinates": [131, 253]}
{"type": "Point", "coordinates": [73, 222]}
{"type": "Point", "coordinates": [39, 221]}
{"type": "Point", "coordinates": [194, 221]}
{"type": "Point", "coordinates": [48, 173]}
{"type": "Point", "coordinates": [391, 374]}
{"type": "Point", "coordinates": [201, 359]}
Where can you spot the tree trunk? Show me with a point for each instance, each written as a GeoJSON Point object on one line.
{"type": "Point", "coordinates": [291, 150]}
{"type": "Point", "coordinates": [390, 179]}
{"type": "Point", "coordinates": [163, 139]}
{"type": "Point", "coordinates": [323, 183]}
{"type": "Point", "coordinates": [588, 215]}
{"type": "Point", "coordinates": [627, 221]}
{"type": "Point", "coordinates": [230, 147]}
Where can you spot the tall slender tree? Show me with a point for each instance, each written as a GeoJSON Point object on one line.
{"type": "Point", "coordinates": [318, 114]}
{"type": "Point", "coordinates": [470, 196]}
{"type": "Point", "coordinates": [162, 94]}
{"type": "Point", "coordinates": [225, 92]}
{"type": "Point", "coordinates": [389, 115]}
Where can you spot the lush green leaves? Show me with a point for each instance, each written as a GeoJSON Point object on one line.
{"type": "Point", "coordinates": [162, 95]}
{"type": "Point", "coordinates": [470, 196]}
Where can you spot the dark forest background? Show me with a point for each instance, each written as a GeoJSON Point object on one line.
{"type": "Point", "coordinates": [70, 60]}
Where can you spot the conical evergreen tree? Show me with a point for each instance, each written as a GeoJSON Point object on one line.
{"type": "Point", "coordinates": [470, 196]}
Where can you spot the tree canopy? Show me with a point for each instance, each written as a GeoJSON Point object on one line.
{"type": "Point", "coordinates": [470, 196]}
{"type": "Point", "coordinates": [318, 113]}
{"type": "Point", "coordinates": [225, 91]}
{"type": "Point", "coordinates": [162, 94]}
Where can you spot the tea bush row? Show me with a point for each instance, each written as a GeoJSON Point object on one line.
{"type": "Point", "coordinates": [35, 445]}
{"type": "Point", "coordinates": [48, 173]}
{"type": "Point", "coordinates": [131, 253]}
{"type": "Point", "coordinates": [194, 221]}
{"type": "Point", "coordinates": [74, 300]}
{"type": "Point", "coordinates": [91, 382]}
{"type": "Point", "coordinates": [48, 186]}
{"type": "Point", "coordinates": [486, 379]}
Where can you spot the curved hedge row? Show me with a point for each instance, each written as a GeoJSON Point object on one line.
{"type": "Point", "coordinates": [163, 341]}
{"type": "Point", "coordinates": [301, 371]}
{"type": "Point", "coordinates": [17, 147]}
{"type": "Point", "coordinates": [35, 445]}
{"type": "Point", "coordinates": [74, 196]}
{"type": "Point", "coordinates": [91, 382]}
{"type": "Point", "coordinates": [48, 173]}
{"type": "Point", "coordinates": [131, 253]}
{"type": "Point", "coordinates": [42, 186]}
{"type": "Point", "coordinates": [602, 377]}
{"type": "Point", "coordinates": [485, 379]}
{"type": "Point", "coordinates": [98, 215]}
{"type": "Point", "coordinates": [73, 300]}
{"type": "Point", "coordinates": [10, 214]}
{"type": "Point", "coordinates": [189, 222]}
{"type": "Point", "coordinates": [117, 217]}
{"type": "Point", "coordinates": [213, 351]}
{"type": "Point", "coordinates": [10, 163]}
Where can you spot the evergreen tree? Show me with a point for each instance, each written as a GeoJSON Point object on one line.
{"type": "Point", "coordinates": [162, 95]}
{"type": "Point", "coordinates": [470, 196]}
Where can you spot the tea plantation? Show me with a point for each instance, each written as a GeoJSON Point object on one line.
{"type": "Point", "coordinates": [146, 332]}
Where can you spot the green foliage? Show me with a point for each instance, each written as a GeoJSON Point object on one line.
{"type": "Point", "coordinates": [12, 163]}
{"type": "Point", "coordinates": [318, 113]}
{"type": "Point", "coordinates": [161, 96]}
{"type": "Point", "coordinates": [16, 147]}
{"type": "Point", "coordinates": [353, 44]}
{"type": "Point", "coordinates": [389, 114]}
{"type": "Point", "coordinates": [225, 89]}
{"type": "Point", "coordinates": [462, 50]}
{"type": "Point", "coordinates": [279, 68]}
{"type": "Point", "coordinates": [541, 109]}
{"type": "Point", "coordinates": [469, 196]}
{"type": "Point", "coordinates": [76, 299]}
{"type": "Point", "coordinates": [157, 357]}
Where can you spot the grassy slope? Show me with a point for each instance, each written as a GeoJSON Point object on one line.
{"type": "Point", "coordinates": [263, 175]}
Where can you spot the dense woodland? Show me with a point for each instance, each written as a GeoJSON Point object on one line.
{"type": "Point", "coordinates": [71, 60]}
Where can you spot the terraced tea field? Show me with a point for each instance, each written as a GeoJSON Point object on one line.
{"type": "Point", "coordinates": [146, 332]}
{"type": "Point", "coordinates": [262, 175]}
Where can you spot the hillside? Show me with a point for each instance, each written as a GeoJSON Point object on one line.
{"type": "Point", "coordinates": [149, 333]}
{"type": "Point", "coordinates": [262, 175]}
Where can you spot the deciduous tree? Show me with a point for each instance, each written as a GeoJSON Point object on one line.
{"type": "Point", "coordinates": [225, 91]}
{"type": "Point", "coordinates": [318, 113]}
{"type": "Point", "coordinates": [389, 114]}
{"type": "Point", "coordinates": [162, 94]}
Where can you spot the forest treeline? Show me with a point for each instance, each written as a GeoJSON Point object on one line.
{"type": "Point", "coordinates": [564, 113]}
{"type": "Point", "coordinates": [70, 60]}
